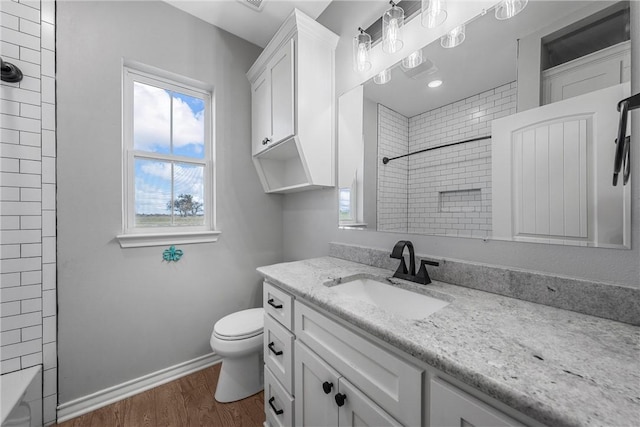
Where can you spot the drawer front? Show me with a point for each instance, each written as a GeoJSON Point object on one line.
{"type": "Point", "coordinates": [278, 404]}
{"type": "Point", "coordinates": [451, 406]}
{"type": "Point", "coordinates": [391, 382]}
{"type": "Point", "coordinates": [278, 351]}
{"type": "Point", "coordinates": [278, 304]}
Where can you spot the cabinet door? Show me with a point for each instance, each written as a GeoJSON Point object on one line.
{"type": "Point", "coordinates": [261, 113]}
{"type": "Point", "coordinates": [281, 69]}
{"type": "Point", "coordinates": [452, 407]}
{"type": "Point", "coordinates": [359, 410]}
{"type": "Point", "coordinates": [313, 378]}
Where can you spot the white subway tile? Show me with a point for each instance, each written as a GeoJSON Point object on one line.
{"type": "Point", "coordinates": [48, 90]}
{"type": "Point", "coordinates": [48, 276]}
{"type": "Point", "coordinates": [29, 27]}
{"type": "Point", "coordinates": [20, 10]}
{"type": "Point", "coordinates": [21, 349]}
{"type": "Point", "coordinates": [14, 93]}
{"type": "Point", "coordinates": [10, 308]}
{"type": "Point", "coordinates": [32, 332]}
{"type": "Point", "coordinates": [9, 51]}
{"type": "Point", "coordinates": [48, 36]}
{"type": "Point", "coordinates": [19, 265]}
{"type": "Point", "coordinates": [21, 321]}
{"type": "Point", "coordinates": [48, 303]}
{"type": "Point", "coordinates": [10, 337]}
{"type": "Point", "coordinates": [28, 110]}
{"type": "Point", "coordinates": [9, 136]}
{"type": "Point", "coordinates": [49, 409]}
{"type": "Point", "coordinates": [49, 329]}
{"type": "Point", "coordinates": [29, 55]}
{"type": "Point", "coordinates": [30, 360]}
{"type": "Point", "coordinates": [48, 223]}
{"type": "Point", "coordinates": [9, 21]}
{"type": "Point", "coordinates": [48, 143]}
{"type": "Point", "coordinates": [10, 365]}
{"type": "Point", "coordinates": [48, 116]}
{"type": "Point", "coordinates": [20, 123]}
{"type": "Point", "coordinates": [48, 11]}
{"type": "Point", "coordinates": [9, 194]}
{"type": "Point", "coordinates": [48, 170]}
{"type": "Point", "coordinates": [31, 139]}
{"type": "Point", "coordinates": [20, 292]}
{"type": "Point", "coordinates": [30, 278]}
{"type": "Point", "coordinates": [48, 62]}
{"type": "Point", "coordinates": [50, 381]}
{"type": "Point", "coordinates": [30, 250]}
{"type": "Point", "coordinates": [10, 107]}
{"type": "Point", "coordinates": [49, 355]}
{"type": "Point", "coordinates": [30, 167]}
{"type": "Point", "coordinates": [30, 194]}
{"type": "Point", "coordinates": [21, 39]}
{"type": "Point", "coordinates": [49, 249]}
{"type": "Point", "coordinates": [48, 196]}
{"type": "Point", "coordinates": [9, 251]}
{"type": "Point", "coordinates": [20, 208]}
{"type": "Point", "coordinates": [21, 236]}
{"type": "Point", "coordinates": [31, 222]}
{"type": "Point", "coordinates": [9, 222]}
{"type": "Point", "coordinates": [9, 280]}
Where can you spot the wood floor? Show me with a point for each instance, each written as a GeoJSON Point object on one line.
{"type": "Point", "coordinates": [187, 401]}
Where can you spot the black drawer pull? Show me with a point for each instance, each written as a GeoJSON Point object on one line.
{"type": "Point", "coordinates": [327, 386]}
{"type": "Point", "coordinates": [266, 141]}
{"type": "Point", "coordinates": [340, 398]}
{"type": "Point", "coordinates": [277, 411]}
{"type": "Point", "coordinates": [277, 353]}
{"type": "Point", "coordinates": [273, 304]}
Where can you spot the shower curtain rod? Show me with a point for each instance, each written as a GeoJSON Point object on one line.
{"type": "Point", "coordinates": [386, 160]}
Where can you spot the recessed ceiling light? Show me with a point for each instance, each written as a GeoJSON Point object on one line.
{"type": "Point", "coordinates": [434, 83]}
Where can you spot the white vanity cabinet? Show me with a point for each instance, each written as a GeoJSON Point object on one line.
{"type": "Point", "coordinates": [293, 107]}
{"type": "Point", "coordinates": [319, 372]}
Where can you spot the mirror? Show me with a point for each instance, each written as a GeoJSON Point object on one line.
{"type": "Point", "coordinates": [517, 143]}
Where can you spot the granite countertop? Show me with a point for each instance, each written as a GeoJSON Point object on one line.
{"type": "Point", "coordinates": [559, 367]}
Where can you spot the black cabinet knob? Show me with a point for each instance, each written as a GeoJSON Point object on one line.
{"type": "Point", "coordinates": [340, 398]}
{"type": "Point", "coordinates": [266, 141]}
{"type": "Point", "coordinates": [327, 386]}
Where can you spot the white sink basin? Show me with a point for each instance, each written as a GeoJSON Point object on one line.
{"type": "Point", "coordinates": [411, 305]}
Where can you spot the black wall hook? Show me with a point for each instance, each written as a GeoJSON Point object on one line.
{"type": "Point", "coordinates": [10, 73]}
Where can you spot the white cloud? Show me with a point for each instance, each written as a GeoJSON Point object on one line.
{"type": "Point", "coordinates": [152, 120]}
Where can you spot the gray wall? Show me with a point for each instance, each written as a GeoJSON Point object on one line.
{"type": "Point", "coordinates": [124, 313]}
{"type": "Point", "coordinates": [310, 218]}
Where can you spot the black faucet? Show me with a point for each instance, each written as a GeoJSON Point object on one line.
{"type": "Point", "coordinates": [402, 272]}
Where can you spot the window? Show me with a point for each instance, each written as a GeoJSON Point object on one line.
{"type": "Point", "coordinates": [167, 161]}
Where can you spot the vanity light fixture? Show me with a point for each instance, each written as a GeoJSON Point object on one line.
{"type": "Point", "coordinates": [453, 38]}
{"type": "Point", "coordinates": [392, 23]}
{"type": "Point", "coordinates": [362, 52]}
{"type": "Point", "coordinates": [383, 77]}
{"type": "Point", "coordinates": [413, 60]}
{"type": "Point", "coordinates": [434, 83]}
{"type": "Point", "coordinates": [434, 13]}
{"type": "Point", "coordinates": [510, 8]}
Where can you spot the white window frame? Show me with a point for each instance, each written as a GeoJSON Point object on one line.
{"type": "Point", "coordinates": [131, 235]}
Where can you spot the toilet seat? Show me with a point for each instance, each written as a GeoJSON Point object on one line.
{"type": "Point", "coordinates": [240, 325]}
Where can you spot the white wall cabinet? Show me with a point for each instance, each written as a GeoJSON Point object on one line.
{"type": "Point", "coordinates": [273, 104]}
{"type": "Point", "coordinates": [293, 107]}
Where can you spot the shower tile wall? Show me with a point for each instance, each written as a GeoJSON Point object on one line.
{"type": "Point", "coordinates": [28, 196]}
{"type": "Point", "coordinates": [393, 140]}
{"type": "Point", "coordinates": [449, 189]}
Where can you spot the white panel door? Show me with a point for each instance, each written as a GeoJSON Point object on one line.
{"type": "Point", "coordinates": [260, 113]}
{"type": "Point", "coordinates": [360, 411]}
{"type": "Point", "coordinates": [552, 172]}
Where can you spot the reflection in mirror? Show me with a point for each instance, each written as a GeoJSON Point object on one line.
{"type": "Point", "coordinates": [516, 143]}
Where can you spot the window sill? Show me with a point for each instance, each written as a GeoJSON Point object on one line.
{"type": "Point", "coordinates": [163, 239]}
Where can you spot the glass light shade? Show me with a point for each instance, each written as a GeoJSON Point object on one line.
{"type": "Point", "coordinates": [510, 8]}
{"type": "Point", "coordinates": [454, 37]}
{"type": "Point", "coordinates": [434, 13]}
{"type": "Point", "coordinates": [362, 52]}
{"type": "Point", "coordinates": [392, 23]}
{"type": "Point", "coordinates": [413, 60]}
{"type": "Point", "coordinates": [383, 77]}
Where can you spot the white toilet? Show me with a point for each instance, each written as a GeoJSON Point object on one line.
{"type": "Point", "coordinates": [237, 338]}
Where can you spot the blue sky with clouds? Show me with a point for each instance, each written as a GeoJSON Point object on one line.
{"type": "Point", "coordinates": [155, 111]}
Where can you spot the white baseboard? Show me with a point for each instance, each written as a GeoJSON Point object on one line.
{"type": "Point", "coordinates": [105, 397]}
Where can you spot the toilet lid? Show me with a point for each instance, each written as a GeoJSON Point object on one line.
{"type": "Point", "coordinates": [240, 325]}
